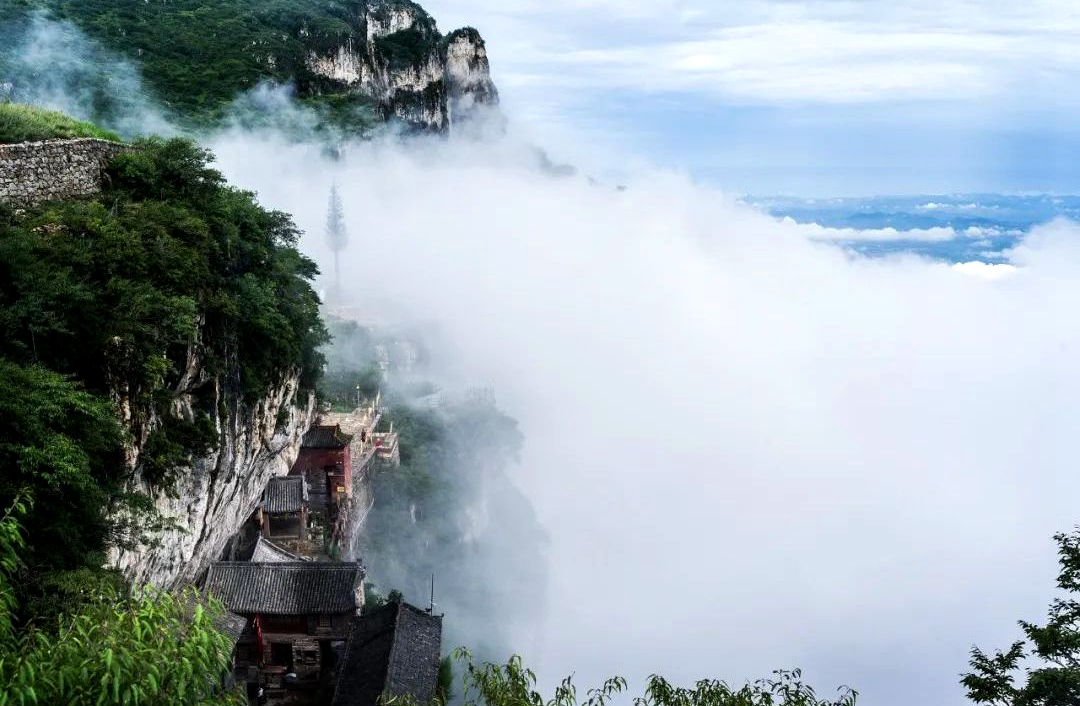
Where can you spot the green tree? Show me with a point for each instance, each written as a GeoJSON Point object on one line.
{"type": "Point", "coordinates": [63, 445]}
{"type": "Point", "coordinates": [1044, 668]}
{"type": "Point", "coordinates": [337, 236]}
{"type": "Point", "coordinates": [513, 684]}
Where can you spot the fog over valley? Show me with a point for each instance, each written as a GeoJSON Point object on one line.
{"type": "Point", "coordinates": [663, 420]}
{"type": "Point", "coordinates": [750, 450]}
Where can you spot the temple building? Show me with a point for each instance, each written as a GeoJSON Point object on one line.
{"type": "Point", "coordinates": [325, 461]}
{"type": "Point", "coordinates": [295, 613]}
{"type": "Point", "coordinates": [299, 617]}
{"type": "Point", "coordinates": [284, 511]}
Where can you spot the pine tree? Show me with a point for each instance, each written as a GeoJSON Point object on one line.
{"type": "Point", "coordinates": [336, 234]}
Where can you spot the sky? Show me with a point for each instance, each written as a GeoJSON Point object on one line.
{"type": "Point", "coordinates": [812, 97]}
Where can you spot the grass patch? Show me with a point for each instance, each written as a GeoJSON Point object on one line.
{"type": "Point", "coordinates": [26, 123]}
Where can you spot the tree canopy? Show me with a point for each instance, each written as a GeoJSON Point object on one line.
{"type": "Point", "coordinates": [514, 684]}
{"type": "Point", "coordinates": [110, 302]}
{"type": "Point", "coordinates": [1043, 669]}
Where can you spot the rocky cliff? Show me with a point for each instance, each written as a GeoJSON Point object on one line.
{"type": "Point", "coordinates": [218, 490]}
{"type": "Point", "coordinates": [355, 62]}
{"type": "Point", "coordinates": [396, 56]}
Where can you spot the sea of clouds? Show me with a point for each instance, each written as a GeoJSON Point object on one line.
{"type": "Point", "coordinates": [752, 449]}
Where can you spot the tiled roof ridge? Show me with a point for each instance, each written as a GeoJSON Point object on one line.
{"type": "Point", "coordinates": [393, 643]}
{"type": "Point", "coordinates": [331, 430]}
{"type": "Point", "coordinates": [325, 565]}
{"type": "Point", "coordinates": [286, 587]}
{"type": "Point", "coordinates": [280, 550]}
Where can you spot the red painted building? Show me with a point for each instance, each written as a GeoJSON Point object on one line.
{"type": "Point", "coordinates": [326, 462]}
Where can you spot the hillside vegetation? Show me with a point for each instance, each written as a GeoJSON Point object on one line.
{"type": "Point", "coordinates": [197, 56]}
{"type": "Point", "coordinates": [100, 302]}
{"type": "Point", "coordinates": [26, 123]}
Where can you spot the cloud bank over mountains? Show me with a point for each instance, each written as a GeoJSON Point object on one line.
{"type": "Point", "coordinates": [751, 450]}
{"type": "Point", "coordinates": [778, 52]}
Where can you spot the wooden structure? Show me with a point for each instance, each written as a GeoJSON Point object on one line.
{"type": "Point", "coordinates": [392, 652]}
{"type": "Point", "coordinates": [285, 509]}
{"type": "Point", "coordinates": [299, 616]}
{"type": "Point", "coordinates": [326, 461]}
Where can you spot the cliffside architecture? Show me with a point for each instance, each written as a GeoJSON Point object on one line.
{"type": "Point", "coordinates": [299, 615]}
{"type": "Point", "coordinates": [325, 460]}
{"type": "Point", "coordinates": [302, 637]}
{"type": "Point", "coordinates": [284, 511]}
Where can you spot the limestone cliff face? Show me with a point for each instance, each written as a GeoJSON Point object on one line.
{"type": "Point", "coordinates": [219, 490]}
{"type": "Point", "coordinates": [468, 75]}
{"type": "Point", "coordinates": [396, 56]}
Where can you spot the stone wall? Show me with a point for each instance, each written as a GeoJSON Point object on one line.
{"type": "Point", "coordinates": [32, 172]}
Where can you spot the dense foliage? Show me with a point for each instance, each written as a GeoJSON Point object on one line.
{"type": "Point", "coordinates": [1047, 660]}
{"type": "Point", "coordinates": [197, 56]}
{"type": "Point", "coordinates": [153, 648]}
{"type": "Point", "coordinates": [114, 289]}
{"type": "Point", "coordinates": [26, 123]}
{"type": "Point", "coordinates": [117, 299]}
{"type": "Point", "coordinates": [64, 443]}
{"type": "Point", "coordinates": [513, 684]}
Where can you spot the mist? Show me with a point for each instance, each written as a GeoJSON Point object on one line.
{"type": "Point", "coordinates": [750, 450]}
{"type": "Point", "coordinates": [53, 64]}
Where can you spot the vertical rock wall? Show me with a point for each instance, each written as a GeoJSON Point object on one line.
{"type": "Point", "coordinates": [468, 75]}
{"type": "Point", "coordinates": [218, 491]}
{"type": "Point", "coordinates": [398, 57]}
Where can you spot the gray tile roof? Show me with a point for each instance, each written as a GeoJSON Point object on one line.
{"type": "Point", "coordinates": [231, 624]}
{"type": "Point", "coordinates": [286, 588]}
{"type": "Point", "coordinates": [267, 552]}
{"type": "Point", "coordinates": [284, 494]}
{"type": "Point", "coordinates": [325, 437]}
{"type": "Point", "coordinates": [393, 650]}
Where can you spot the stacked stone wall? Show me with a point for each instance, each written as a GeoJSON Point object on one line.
{"type": "Point", "coordinates": [32, 172]}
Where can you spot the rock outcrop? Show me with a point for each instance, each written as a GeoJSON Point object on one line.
{"type": "Point", "coordinates": [219, 490]}
{"type": "Point", "coordinates": [397, 57]}
{"type": "Point", "coordinates": [468, 75]}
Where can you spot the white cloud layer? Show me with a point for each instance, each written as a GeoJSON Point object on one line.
{"type": "Point", "coordinates": [820, 232]}
{"type": "Point", "coordinates": [988, 270]}
{"type": "Point", "coordinates": [752, 450]}
{"type": "Point", "coordinates": [769, 51]}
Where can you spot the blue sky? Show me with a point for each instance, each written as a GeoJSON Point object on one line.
{"type": "Point", "coordinates": [803, 97]}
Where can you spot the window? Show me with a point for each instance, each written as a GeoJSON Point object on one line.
{"type": "Point", "coordinates": [324, 622]}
